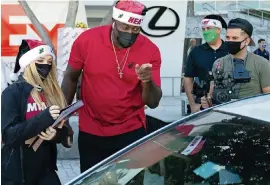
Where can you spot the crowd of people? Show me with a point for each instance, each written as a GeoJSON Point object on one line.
{"type": "Point", "coordinates": [220, 71]}
{"type": "Point", "coordinates": [114, 90]}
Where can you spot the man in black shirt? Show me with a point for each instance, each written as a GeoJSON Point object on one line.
{"type": "Point", "coordinates": [202, 58]}
{"type": "Point", "coordinates": [261, 51]}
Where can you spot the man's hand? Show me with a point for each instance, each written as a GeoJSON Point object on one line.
{"type": "Point", "coordinates": [195, 107]}
{"type": "Point", "coordinates": [151, 94]}
{"type": "Point", "coordinates": [48, 135]}
{"type": "Point", "coordinates": [144, 72]}
{"type": "Point", "coordinates": [206, 102]}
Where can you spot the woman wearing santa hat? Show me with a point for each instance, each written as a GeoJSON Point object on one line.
{"type": "Point", "coordinates": [29, 107]}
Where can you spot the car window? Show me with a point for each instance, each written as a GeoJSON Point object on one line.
{"type": "Point", "coordinates": [211, 149]}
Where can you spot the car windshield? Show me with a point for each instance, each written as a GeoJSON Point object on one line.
{"type": "Point", "coordinates": [210, 149]}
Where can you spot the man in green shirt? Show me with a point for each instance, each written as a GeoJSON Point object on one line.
{"type": "Point", "coordinates": [238, 37]}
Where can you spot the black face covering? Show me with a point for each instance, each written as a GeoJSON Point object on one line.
{"type": "Point", "coordinates": [43, 70]}
{"type": "Point", "coordinates": [234, 47]}
{"type": "Point", "coordinates": [125, 39]}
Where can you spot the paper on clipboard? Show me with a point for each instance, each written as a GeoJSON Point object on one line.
{"type": "Point", "coordinates": [65, 114]}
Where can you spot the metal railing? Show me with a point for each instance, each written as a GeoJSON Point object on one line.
{"type": "Point", "coordinates": [234, 6]}
{"type": "Point", "coordinates": [264, 15]}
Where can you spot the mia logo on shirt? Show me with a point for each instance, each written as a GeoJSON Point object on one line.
{"type": "Point", "coordinates": [33, 107]}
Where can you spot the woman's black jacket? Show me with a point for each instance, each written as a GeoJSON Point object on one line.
{"type": "Point", "coordinates": [16, 129]}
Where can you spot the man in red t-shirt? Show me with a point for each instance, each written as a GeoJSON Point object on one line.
{"type": "Point", "coordinates": [121, 74]}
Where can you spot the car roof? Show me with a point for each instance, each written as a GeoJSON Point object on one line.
{"type": "Point", "coordinates": [257, 107]}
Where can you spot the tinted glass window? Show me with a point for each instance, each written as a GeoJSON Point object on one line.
{"type": "Point", "coordinates": [213, 149]}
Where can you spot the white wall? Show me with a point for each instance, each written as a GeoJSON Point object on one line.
{"type": "Point", "coordinates": [95, 14]}
{"type": "Point", "coordinates": [98, 2]}
{"type": "Point", "coordinates": [172, 46]}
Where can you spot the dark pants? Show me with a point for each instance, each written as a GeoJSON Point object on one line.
{"type": "Point", "coordinates": [94, 149]}
{"type": "Point", "coordinates": [48, 178]}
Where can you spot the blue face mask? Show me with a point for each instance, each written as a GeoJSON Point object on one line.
{"type": "Point", "coordinates": [264, 46]}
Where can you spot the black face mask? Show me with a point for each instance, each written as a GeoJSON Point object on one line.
{"type": "Point", "coordinates": [43, 70]}
{"type": "Point", "coordinates": [126, 39]}
{"type": "Point", "coordinates": [234, 47]}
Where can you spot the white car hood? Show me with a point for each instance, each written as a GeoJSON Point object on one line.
{"type": "Point", "coordinates": [257, 108]}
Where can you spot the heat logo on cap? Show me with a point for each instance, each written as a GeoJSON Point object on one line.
{"type": "Point", "coordinates": [134, 20]}
{"type": "Point", "coordinates": [127, 17]}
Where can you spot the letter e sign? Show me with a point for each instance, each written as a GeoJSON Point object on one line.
{"type": "Point", "coordinates": [8, 29]}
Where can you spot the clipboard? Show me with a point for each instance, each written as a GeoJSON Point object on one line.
{"type": "Point", "coordinates": [65, 114]}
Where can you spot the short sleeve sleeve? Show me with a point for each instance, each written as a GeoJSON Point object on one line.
{"type": "Point", "coordinates": [156, 65]}
{"type": "Point", "coordinates": [76, 59]}
{"type": "Point", "coordinates": [190, 70]}
{"type": "Point", "coordinates": [265, 74]}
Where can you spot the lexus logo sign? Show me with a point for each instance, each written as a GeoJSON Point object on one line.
{"type": "Point", "coordinates": [152, 23]}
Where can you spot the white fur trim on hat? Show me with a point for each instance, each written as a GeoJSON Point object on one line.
{"type": "Point", "coordinates": [12, 78]}
{"type": "Point", "coordinates": [211, 23]}
{"type": "Point", "coordinates": [34, 54]}
{"type": "Point", "coordinates": [127, 17]}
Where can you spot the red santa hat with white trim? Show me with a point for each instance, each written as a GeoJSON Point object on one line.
{"type": "Point", "coordinates": [130, 12]}
{"type": "Point", "coordinates": [29, 51]}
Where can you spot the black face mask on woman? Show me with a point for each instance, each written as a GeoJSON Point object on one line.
{"type": "Point", "coordinates": [234, 47]}
{"type": "Point", "coordinates": [43, 70]}
{"type": "Point", "coordinates": [125, 39]}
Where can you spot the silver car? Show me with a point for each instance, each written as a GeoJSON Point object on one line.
{"type": "Point", "coordinates": [227, 144]}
